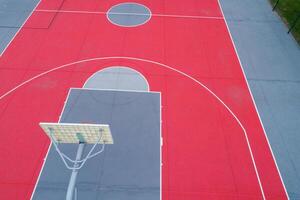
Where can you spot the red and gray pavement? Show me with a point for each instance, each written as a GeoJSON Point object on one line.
{"type": "Point", "coordinates": [186, 53]}
{"type": "Point", "coordinates": [271, 58]}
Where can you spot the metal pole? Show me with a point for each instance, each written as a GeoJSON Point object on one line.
{"type": "Point", "coordinates": [74, 174]}
{"type": "Point", "coordinates": [275, 5]}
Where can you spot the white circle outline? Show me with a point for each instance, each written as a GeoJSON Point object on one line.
{"type": "Point", "coordinates": [129, 26]}
{"type": "Point", "coordinates": [125, 67]}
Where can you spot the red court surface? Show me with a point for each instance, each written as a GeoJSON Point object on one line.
{"type": "Point", "coordinates": [205, 150]}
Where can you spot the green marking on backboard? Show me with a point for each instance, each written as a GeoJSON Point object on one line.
{"type": "Point", "coordinates": [80, 138]}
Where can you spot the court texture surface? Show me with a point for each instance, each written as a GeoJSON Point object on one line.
{"type": "Point", "coordinates": [214, 145]}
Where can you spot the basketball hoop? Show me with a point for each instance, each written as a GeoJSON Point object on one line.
{"type": "Point", "coordinates": [81, 134]}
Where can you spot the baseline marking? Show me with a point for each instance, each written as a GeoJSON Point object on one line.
{"type": "Point", "coordinates": [252, 98]}
{"type": "Point", "coordinates": [165, 66]}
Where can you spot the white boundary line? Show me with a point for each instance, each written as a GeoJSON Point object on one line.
{"type": "Point", "coordinates": [65, 103]}
{"type": "Point", "coordinates": [252, 98]}
{"type": "Point", "coordinates": [1, 53]}
{"type": "Point", "coordinates": [40, 173]}
{"type": "Point", "coordinates": [160, 145]}
{"type": "Point", "coordinates": [48, 151]}
{"type": "Point", "coordinates": [119, 90]}
{"type": "Point", "coordinates": [124, 67]}
{"type": "Point", "coordinates": [164, 66]}
{"type": "Point", "coordinates": [138, 14]}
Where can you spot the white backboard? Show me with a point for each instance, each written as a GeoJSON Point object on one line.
{"type": "Point", "coordinates": [76, 133]}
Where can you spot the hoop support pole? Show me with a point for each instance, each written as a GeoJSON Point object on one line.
{"type": "Point", "coordinates": [74, 174]}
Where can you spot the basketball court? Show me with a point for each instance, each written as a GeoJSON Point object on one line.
{"type": "Point", "coordinates": [167, 78]}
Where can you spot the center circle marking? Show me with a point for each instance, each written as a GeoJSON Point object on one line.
{"type": "Point", "coordinates": [129, 14]}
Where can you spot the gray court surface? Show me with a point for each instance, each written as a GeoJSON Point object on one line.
{"type": "Point", "coordinates": [129, 169]}
{"type": "Point", "coordinates": [271, 60]}
{"type": "Point", "coordinates": [129, 14]}
{"type": "Point", "coordinates": [13, 13]}
{"type": "Point", "coordinates": [118, 78]}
